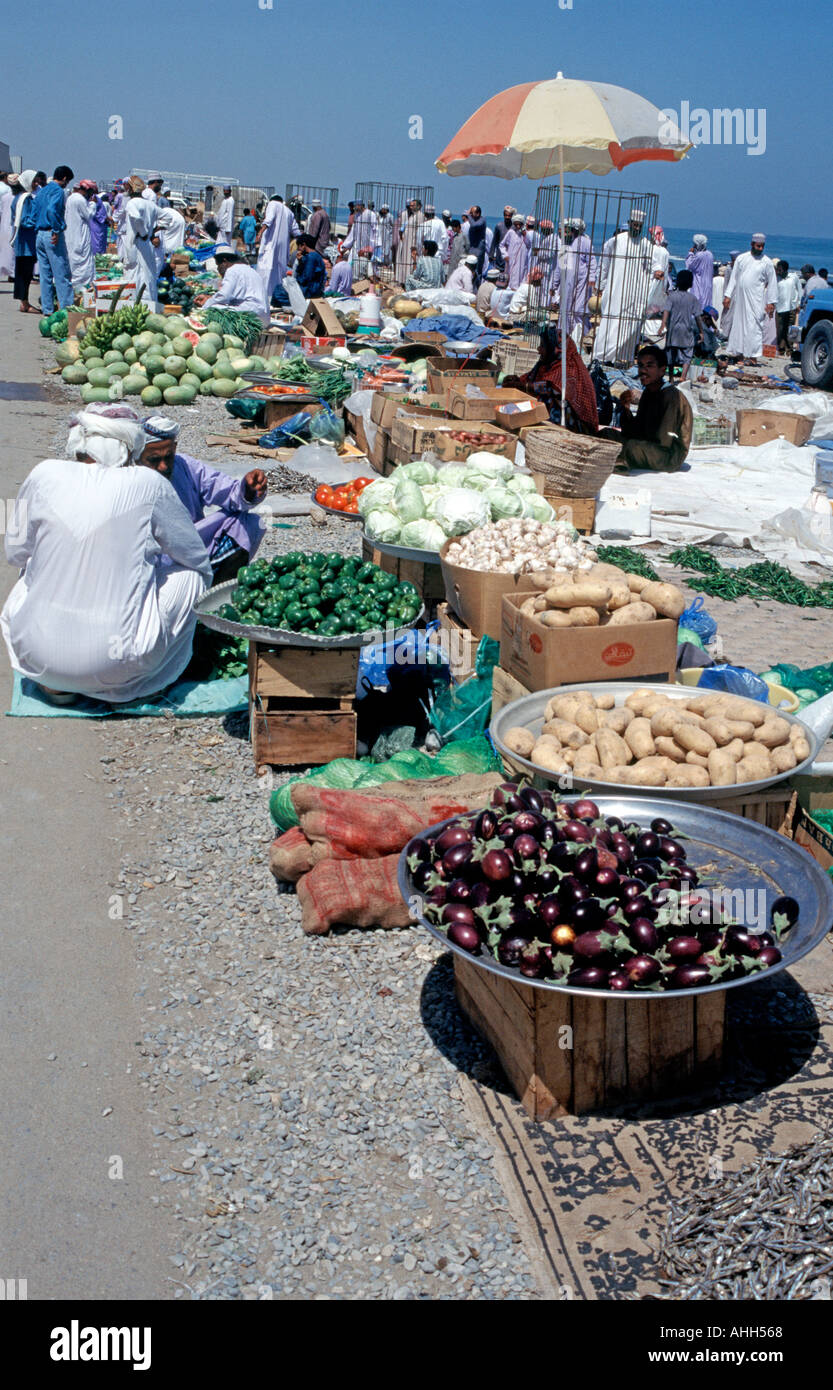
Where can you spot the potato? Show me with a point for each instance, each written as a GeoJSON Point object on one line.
{"type": "Point", "coordinates": [739, 728]}
{"type": "Point", "coordinates": [638, 698]}
{"type": "Point", "coordinates": [539, 604]}
{"type": "Point", "coordinates": [735, 749]}
{"type": "Point", "coordinates": [665, 720]}
{"type": "Point", "coordinates": [687, 775]}
{"type": "Point", "coordinates": [657, 702]}
{"type": "Point", "coordinates": [554, 617]}
{"type": "Point", "coordinates": [608, 574]}
{"type": "Point", "coordinates": [800, 743]}
{"type": "Point", "coordinates": [580, 594]}
{"type": "Point", "coordinates": [722, 769]}
{"type": "Point", "coordinates": [667, 599]}
{"type": "Point", "coordinates": [667, 748]}
{"type": "Point", "coordinates": [562, 707]}
{"type": "Point", "coordinates": [546, 755]}
{"type": "Point", "coordinates": [700, 704]}
{"type": "Point", "coordinates": [773, 732]}
{"type": "Point", "coordinates": [618, 719]}
{"type": "Point", "coordinates": [613, 750]}
{"type": "Point", "coordinates": [587, 718]}
{"type": "Point", "coordinates": [637, 582]}
{"type": "Point", "coordinates": [605, 702]}
{"type": "Point", "coordinates": [696, 759]}
{"type": "Point", "coordinates": [719, 730]}
{"type": "Point", "coordinates": [647, 773]}
{"type": "Point", "coordinates": [620, 595]}
{"type": "Point", "coordinates": [583, 617]}
{"type": "Point", "coordinates": [585, 758]}
{"type": "Point", "coordinates": [541, 579]}
{"type": "Point", "coordinates": [520, 741]}
{"type": "Point", "coordinates": [569, 735]}
{"type": "Point", "coordinates": [528, 608]}
{"type": "Point", "coordinates": [784, 758]}
{"type": "Point", "coordinates": [738, 708]}
{"type": "Point", "coordinates": [693, 739]}
{"type": "Point", "coordinates": [569, 755]}
{"type": "Point", "coordinates": [589, 772]}
{"type": "Point", "coordinates": [639, 739]}
{"type": "Point", "coordinates": [635, 612]}
{"type": "Point", "coordinates": [750, 770]}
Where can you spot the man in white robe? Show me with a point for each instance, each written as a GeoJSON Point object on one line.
{"type": "Point", "coordinates": [410, 239]}
{"type": "Point", "coordinates": [241, 287]}
{"type": "Point", "coordinates": [79, 210]}
{"type": "Point", "coordinates": [574, 277]}
{"type": "Point", "coordinates": [7, 257]}
{"type": "Point", "coordinates": [140, 253]}
{"type": "Point", "coordinates": [152, 189]}
{"type": "Point", "coordinates": [170, 226]}
{"type": "Point", "coordinates": [383, 250]}
{"type": "Point", "coordinates": [435, 229]}
{"type": "Point", "coordinates": [277, 230]}
{"type": "Point", "coordinates": [626, 275]}
{"type": "Point", "coordinates": [225, 217]}
{"type": "Point", "coordinates": [750, 294]}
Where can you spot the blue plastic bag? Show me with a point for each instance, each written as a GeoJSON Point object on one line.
{"type": "Point", "coordinates": [289, 432]}
{"type": "Point", "coordinates": [735, 680]}
{"type": "Point", "coordinates": [696, 619]}
{"type": "Point", "coordinates": [413, 648]}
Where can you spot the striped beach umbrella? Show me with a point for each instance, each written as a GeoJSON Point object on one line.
{"type": "Point", "coordinates": [540, 128]}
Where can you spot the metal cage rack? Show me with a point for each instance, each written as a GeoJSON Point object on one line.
{"type": "Point", "coordinates": [386, 247]}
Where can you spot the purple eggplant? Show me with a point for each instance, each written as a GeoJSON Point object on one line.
{"type": "Point", "coordinates": [510, 946]}
{"type": "Point", "coordinates": [588, 977]}
{"type": "Point", "coordinates": [643, 934]}
{"type": "Point", "coordinates": [589, 945]}
{"type": "Point", "coordinates": [460, 913]}
{"type": "Point", "coordinates": [457, 859]}
{"type": "Point", "coordinates": [417, 852]}
{"type": "Point", "coordinates": [639, 907]}
{"type": "Point", "coordinates": [561, 856]}
{"type": "Point", "coordinates": [660, 826]}
{"type": "Point", "coordinates": [709, 938]}
{"type": "Point", "coordinates": [689, 975]}
{"type": "Point", "coordinates": [642, 970]}
{"type": "Point", "coordinates": [786, 910]}
{"type": "Point", "coordinates": [577, 831]}
{"type": "Point", "coordinates": [631, 887]}
{"type": "Point", "coordinates": [670, 849]}
{"type": "Point", "coordinates": [532, 799]}
{"type": "Point", "coordinates": [464, 936]}
{"type": "Point", "coordinates": [586, 865]}
{"type": "Point", "coordinates": [526, 847]}
{"type": "Point", "coordinates": [533, 962]}
{"type": "Point", "coordinates": [459, 891]}
{"type": "Point", "coordinates": [496, 865]}
{"type": "Point", "coordinates": [584, 809]}
{"type": "Point", "coordinates": [481, 894]}
{"type": "Point", "coordinates": [740, 942]}
{"type": "Point", "coordinates": [486, 825]}
{"type": "Point", "coordinates": [588, 915]}
{"type": "Point", "coordinates": [528, 823]}
{"type": "Point", "coordinates": [546, 881]}
{"type": "Point", "coordinates": [607, 882]}
{"type": "Point", "coordinates": [436, 897]}
{"type": "Point", "coordinates": [648, 870]}
{"type": "Point", "coordinates": [549, 911]}
{"type": "Point", "coordinates": [770, 955]}
{"type": "Point", "coordinates": [687, 874]}
{"type": "Point", "coordinates": [684, 948]}
{"type": "Point", "coordinates": [570, 891]}
{"type": "Point", "coordinates": [647, 844]}
{"type": "Point", "coordinates": [619, 980]}
{"type": "Point", "coordinates": [452, 835]}
{"type": "Point", "coordinates": [614, 823]}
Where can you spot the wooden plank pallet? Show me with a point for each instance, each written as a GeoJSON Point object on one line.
{"type": "Point", "coordinates": [301, 705]}
{"type": "Point", "coordinates": [573, 1054]}
{"type": "Point", "coordinates": [772, 807]}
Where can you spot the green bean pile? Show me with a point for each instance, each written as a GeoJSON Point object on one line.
{"type": "Point", "coordinates": [331, 386]}
{"type": "Point", "coordinates": [763, 580]}
{"type": "Point", "coordinates": [631, 561]}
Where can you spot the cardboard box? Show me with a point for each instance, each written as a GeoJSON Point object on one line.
{"type": "Point", "coordinates": [521, 416]}
{"type": "Point", "coordinates": [446, 372]}
{"type": "Point", "coordinates": [381, 447]}
{"type": "Point", "coordinates": [355, 423]}
{"type": "Point", "coordinates": [414, 434]}
{"type": "Point", "coordinates": [475, 401]}
{"type": "Point", "coordinates": [813, 794]}
{"type": "Point", "coordinates": [321, 320]}
{"type": "Point", "coordinates": [276, 411]}
{"type": "Point", "coordinates": [386, 405]}
{"type": "Point", "coordinates": [578, 511]}
{"type": "Point", "coordinates": [760, 426]}
{"type": "Point", "coordinates": [543, 657]}
{"type": "Point", "coordinates": [476, 596]}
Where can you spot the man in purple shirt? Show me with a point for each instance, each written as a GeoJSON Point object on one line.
{"type": "Point", "coordinates": [341, 276]}
{"type": "Point", "coordinates": [231, 534]}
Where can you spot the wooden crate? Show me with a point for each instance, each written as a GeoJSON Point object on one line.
{"type": "Point", "coordinates": [572, 1054]}
{"type": "Point", "coordinates": [458, 641]}
{"type": "Point", "coordinates": [579, 511]}
{"type": "Point", "coordinates": [427, 579]}
{"type": "Point", "coordinates": [772, 807]}
{"type": "Point", "coordinates": [301, 705]}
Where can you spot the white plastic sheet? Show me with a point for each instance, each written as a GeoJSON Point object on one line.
{"type": "Point", "coordinates": [818, 405]}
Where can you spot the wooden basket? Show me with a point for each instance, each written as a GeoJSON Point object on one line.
{"type": "Point", "coordinates": [514, 356]}
{"type": "Point", "coordinates": [574, 465]}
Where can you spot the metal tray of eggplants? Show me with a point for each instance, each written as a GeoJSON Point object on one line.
{"type": "Point", "coordinates": [528, 713]}
{"type": "Point", "coordinates": [206, 611]}
{"type": "Point", "coordinates": [737, 854]}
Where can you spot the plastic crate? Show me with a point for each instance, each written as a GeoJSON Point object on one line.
{"type": "Point", "coordinates": [706, 432]}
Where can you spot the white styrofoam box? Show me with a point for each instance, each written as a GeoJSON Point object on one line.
{"type": "Point", "coordinates": [824, 470]}
{"type": "Point", "coordinates": [622, 514]}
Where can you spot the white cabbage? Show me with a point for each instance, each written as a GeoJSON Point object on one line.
{"type": "Point", "coordinates": [460, 510]}
{"type": "Point", "coordinates": [503, 503]}
{"type": "Point", "coordinates": [537, 507]}
{"type": "Point", "coordinates": [493, 465]}
{"type": "Point", "coordinates": [521, 482]}
{"type": "Point", "coordinates": [420, 471]}
{"type": "Point", "coordinates": [376, 495]}
{"type": "Point", "coordinates": [423, 535]}
{"type": "Point", "coordinates": [407, 501]}
{"type": "Point", "coordinates": [382, 525]}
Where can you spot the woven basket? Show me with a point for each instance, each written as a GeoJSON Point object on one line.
{"type": "Point", "coordinates": [514, 356]}
{"type": "Point", "coordinates": [574, 465]}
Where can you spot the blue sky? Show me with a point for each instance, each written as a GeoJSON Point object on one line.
{"type": "Point", "coordinates": [323, 94]}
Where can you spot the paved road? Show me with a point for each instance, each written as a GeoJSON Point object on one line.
{"type": "Point", "coordinates": [68, 977]}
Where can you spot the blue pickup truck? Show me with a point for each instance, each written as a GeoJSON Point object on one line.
{"type": "Point", "coordinates": [811, 339]}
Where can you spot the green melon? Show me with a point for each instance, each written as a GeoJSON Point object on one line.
{"type": "Point", "coordinates": [154, 361]}
{"type": "Point", "coordinates": [188, 379]}
{"type": "Point", "coordinates": [91, 362]}
{"type": "Point", "coordinates": [224, 388]}
{"type": "Point", "coordinates": [151, 395]}
{"type": "Point", "coordinates": [179, 395]}
{"type": "Point", "coordinates": [223, 371]}
{"type": "Point", "coordinates": [215, 339]}
{"type": "Point", "coordinates": [156, 322]}
{"type": "Point", "coordinates": [91, 393]}
{"type": "Point", "coordinates": [131, 355]}
{"type": "Point", "coordinates": [164, 380]}
{"type": "Point", "coordinates": [161, 341]}
{"type": "Point", "coordinates": [258, 363]}
{"type": "Point", "coordinates": [111, 355]}
{"type": "Point", "coordinates": [74, 374]}
{"type": "Point", "coordinates": [67, 352]}
{"type": "Point", "coordinates": [198, 368]}
{"type": "Point", "coordinates": [230, 341]}
{"type": "Point", "coordinates": [242, 364]}
{"type": "Point", "coordinates": [174, 325]}
{"type": "Point", "coordinates": [89, 351]}
{"type": "Point", "coordinates": [142, 341]}
{"type": "Point", "coordinates": [183, 347]}
{"type": "Point", "coordinates": [117, 369]}
{"type": "Point", "coordinates": [207, 387]}
{"type": "Point", "coordinates": [207, 352]}
{"type": "Point", "coordinates": [133, 385]}
{"type": "Point", "coordinates": [176, 365]}
{"type": "Point", "coordinates": [122, 342]}
{"type": "Point", "coordinates": [98, 376]}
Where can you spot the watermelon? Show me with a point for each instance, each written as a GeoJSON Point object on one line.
{"type": "Point", "coordinates": [207, 352]}
{"type": "Point", "coordinates": [131, 355]}
{"type": "Point", "coordinates": [176, 365]}
{"type": "Point", "coordinates": [207, 387]}
{"type": "Point", "coordinates": [164, 380]}
{"type": "Point", "coordinates": [223, 371]}
{"type": "Point", "coordinates": [224, 388]}
{"type": "Point", "coordinates": [258, 364]}
{"type": "Point", "coordinates": [122, 341]}
{"type": "Point", "coordinates": [188, 379]}
{"type": "Point", "coordinates": [242, 364]}
{"type": "Point", "coordinates": [142, 341]}
{"type": "Point", "coordinates": [151, 395]}
{"type": "Point", "coordinates": [179, 395]}
{"type": "Point", "coordinates": [174, 326]}
{"type": "Point", "coordinates": [67, 352]}
{"type": "Point", "coordinates": [198, 368]}
{"type": "Point", "coordinates": [193, 338]}
{"type": "Point", "coordinates": [88, 351]}
{"type": "Point", "coordinates": [111, 355]}
{"type": "Point", "coordinates": [161, 342]}
{"type": "Point", "coordinates": [133, 385]}
{"type": "Point", "coordinates": [117, 369]}
{"type": "Point", "coordinates": [156, 322]}
{"type": "Point", "coordinates": [94, 393]}
{"type": "Point", "coordinates": [74, 374]}
{"type": "Point", "coordinates": [154, 361]}
{"type": "Point", "coordinates": [96, 361]}
{"type": "Point", "coordinates": [182, 346]}
{"type": "Point", "coordinates": [214, 339]}
{"type": "Point", "coordinates": [98, 376]}
{"type": "Point", "coordinates": [230, 341]}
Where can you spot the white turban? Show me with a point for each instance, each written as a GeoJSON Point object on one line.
{"type": "Point", "coordinates": [109, 434]}
{"type": "Point", "coordinates": [700, 242]}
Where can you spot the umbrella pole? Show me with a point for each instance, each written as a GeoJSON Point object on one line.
{"type": "Point", "coordinates": [561, 313]}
